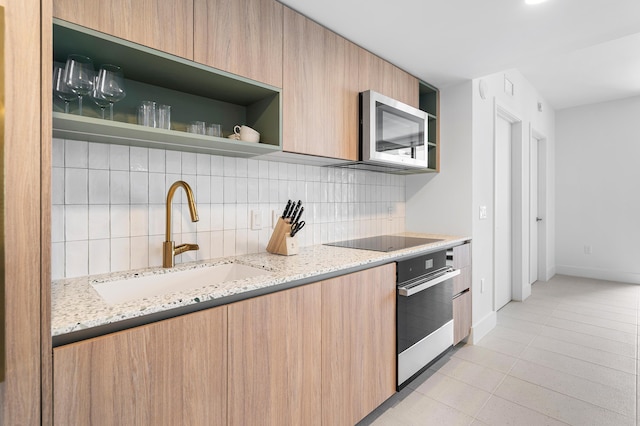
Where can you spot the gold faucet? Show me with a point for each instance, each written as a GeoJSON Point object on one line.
{"type": "Point", "coordinates": [169, 250]}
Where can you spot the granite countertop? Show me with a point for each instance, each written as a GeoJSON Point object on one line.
{"type": "Point", "coordinates": [76, 306]}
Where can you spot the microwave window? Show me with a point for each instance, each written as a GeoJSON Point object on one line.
{"type": "Point", "coordinates": [398, 134]}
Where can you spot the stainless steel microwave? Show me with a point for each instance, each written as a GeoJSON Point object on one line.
{"type": "Point", "coordinates": [393, 135]}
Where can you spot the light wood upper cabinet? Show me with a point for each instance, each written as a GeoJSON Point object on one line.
{"type": "Point", "coordinates": [274, 359]}
{"type": "Point", "coordinates": [169, 372]}
{"type": "Point", "coordinates": [320, 90]}
{"type": "Point", "coordinates": [159, 24]}
{"type": "Point", "coordinates": [243, 37]}
{"type": "Point", "coordinates": [358, 344]}
{"type": "Point", "coordinates": [385, 78]}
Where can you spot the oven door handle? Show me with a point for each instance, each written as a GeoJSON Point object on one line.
{"type": "Point", "coordinates": [413, 289]}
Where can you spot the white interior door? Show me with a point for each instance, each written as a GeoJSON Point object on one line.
{"type": "Point", "coordinates": [533, 224]}
{"type": "Point", "coordinates": [503, 216]}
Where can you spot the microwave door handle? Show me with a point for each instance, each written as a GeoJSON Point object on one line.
{"type": "Point", "coordinates": [413, 289]}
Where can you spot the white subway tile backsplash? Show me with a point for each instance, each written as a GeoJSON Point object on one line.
{"type": "Point", "coordinates": [98, 186]}
{"type": "Point", "coordinates": [98, 156]}
{"type": "Point", "coordinates": [138, 159]}
{"type": "Point", "coordinates": [57, 152]}
{"type": "Point", "coordinates": [139, 252]}
{"type": "Point", "coordinates": [76, 258]}
{"type": "Point", "coordinates": [57, 223]}
{"type": "Point", "coordinates": [76, 154]}
{"type": "Point", "coordinates": [229, 166]}
{"type": "Point", "coordinates": [229, 243]}
{"type": "Point", "coordinates": [76, 222]}
{"type": "Point", "coordinates": [120, 254]}
{"type": "Point", "coordinates": [99, 221]}
{"type": "Point", "coordinates": [119, 187]}
{"type": "Point", "coordinates": [241, 167]}
{"type": "Point", "coordinates": [118, 157]}
{"type": "Point", "coordinates": [76, 186]}
{"type": "Point", "coordinates": [157, 161]}
{"type": "Point", "coordinates": [119, 221]}
{"type": "Point", "coordinates": [99, 256]}
{"type": "Point", "coordinates": [112, 204]}
{"type": "Point", "coordinates": [139, 187]}
{"type": "Point", "coordinates": [174, 162]}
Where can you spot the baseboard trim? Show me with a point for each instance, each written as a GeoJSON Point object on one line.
{"type": "Point", "coordinates": [599, 274]}
{"type": "Point", "coordinates": [483, 327]}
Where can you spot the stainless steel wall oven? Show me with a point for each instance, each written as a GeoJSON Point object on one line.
{"type": "Point", "coordinates": [424, 313]}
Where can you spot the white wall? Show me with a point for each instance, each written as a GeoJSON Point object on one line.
{"type": "Point", "coordinates": [449, 202]}
{"type": "Point", "coordinates": [441, 202]}
{"type": "Point", "coordinates": [524, 105]}
{"type": "Point", "coordinates": [598, 190]}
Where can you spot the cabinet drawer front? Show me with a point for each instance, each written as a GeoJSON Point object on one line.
{"type": "Point", "coordinates": [461, 317]}
{"type": "Point", "coordinates": [462, 281]}
{"type": "Point", "coordinates": [462, 256]}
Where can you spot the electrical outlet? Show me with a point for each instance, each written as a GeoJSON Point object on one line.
{"type": "Point", "coordinates": [256, 220]}
{"type": "Point", "coordinates": [587, 249]}
{"type": "Point", "coordinates": [481, 285]}
{"type": "Point", "coordinates": [390, 211]}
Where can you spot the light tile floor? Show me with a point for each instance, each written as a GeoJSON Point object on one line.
{"type": "Point", "coordinates": [567, 355]}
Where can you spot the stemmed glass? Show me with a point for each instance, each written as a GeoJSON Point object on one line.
{"type": "Point", "coordinates": [60, 88]}
{"type": "Point", "coordinates": [79, 76]}
{"type": "Point", "coordinates": [96, 96]}
{"type": "Point", "coordinates": [111, 85]}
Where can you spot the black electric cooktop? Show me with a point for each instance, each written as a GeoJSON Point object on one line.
{"type": "Point", "coordinates": [384, 243]}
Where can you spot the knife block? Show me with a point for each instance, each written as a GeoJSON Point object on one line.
{"type": "Point", "coordinates": [281, 241]}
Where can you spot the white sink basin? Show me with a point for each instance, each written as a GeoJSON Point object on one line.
{"type": "Point", "coordinates": [128, 289]}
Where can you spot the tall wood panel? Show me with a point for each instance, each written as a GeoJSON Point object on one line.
{"type": "Point", "coordinates": [243, 37]}
{"type": "Point", "coordinates": [320, 90]}
{"type": "Point", "coordinates": [20, 391]}
{"type": "Point", "coordinates": [160, 24]}
{"type": "Point", "coordinates": [274, 359]}
{"type": "Point", "coordinates": [171, 372]}
{"type": "Point", "coordinates": [358, 344]}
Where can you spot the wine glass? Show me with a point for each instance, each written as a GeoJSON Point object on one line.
{"type": "Point", "coordinates": [111, 85]}
{"type": "Point", "coordinates": [96, 97]}
{"type": "Point", "coordinates": [79, 76]}
{"type": "Point", "coordinates": [60, 88]}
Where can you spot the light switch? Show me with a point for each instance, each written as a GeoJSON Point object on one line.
{"type": "Point", "coordinates": [483, 212]}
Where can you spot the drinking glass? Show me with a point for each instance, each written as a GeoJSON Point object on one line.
{"type": "Point", "coordinates": [79, 76]}
{"type": "Point", "coordinates": [214, 130]}
{"type": "Point", "coordinates": [147, 114]}
{"type": "Point", "coordinates": [111, 85]}
{"type": "Point", "coordinates": [60, 88]}
{"type": "Point", "coordinates": [197, 127]}
{"type": "Point", "coordinates": [164, 117]}
{"type": "Point", "coordinates": [96, 97]}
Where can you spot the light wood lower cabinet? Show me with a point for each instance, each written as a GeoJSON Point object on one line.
{"type": "Point", "coordinates": [461, 317]}
{"type": "Point", "coordinates": [274, 359]}
{"type": "Point", "coordinates": [319, 354]}
{"type": "Point", "coordinates": [172, 372]}
{"type": "Point", "coordinates": [358, 344]}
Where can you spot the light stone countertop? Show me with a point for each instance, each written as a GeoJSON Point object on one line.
{"type": "Point", "coordinates": [77, 307]}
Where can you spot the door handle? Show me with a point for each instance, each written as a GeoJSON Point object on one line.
{"type": "Point", "coordinates": [538, 219]}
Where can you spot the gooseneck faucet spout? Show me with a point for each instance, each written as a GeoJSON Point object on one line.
{"type": "Point", "coordinates": [169, 249]}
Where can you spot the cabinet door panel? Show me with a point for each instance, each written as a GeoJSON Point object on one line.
{"type": "Point", "coordinates": [162, 25]}
{"type": "Point", "coordinates": [320, 90]}
{"type": "Point", "coordinates": [170, 372]}
{"type": "Point", "coordinates": [385, 78]}
{"type": "Point", "coordinates": [358, 344]}
{"type": "Point", "coordinates": [243, 37]}
{"type": "Point", "coordinates": [461, 317]}
{"type": "Point", "coordinates": [274, 359]}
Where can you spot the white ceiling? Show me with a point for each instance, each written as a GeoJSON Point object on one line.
{"type": "Point", "coordinates": [574, 52]}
